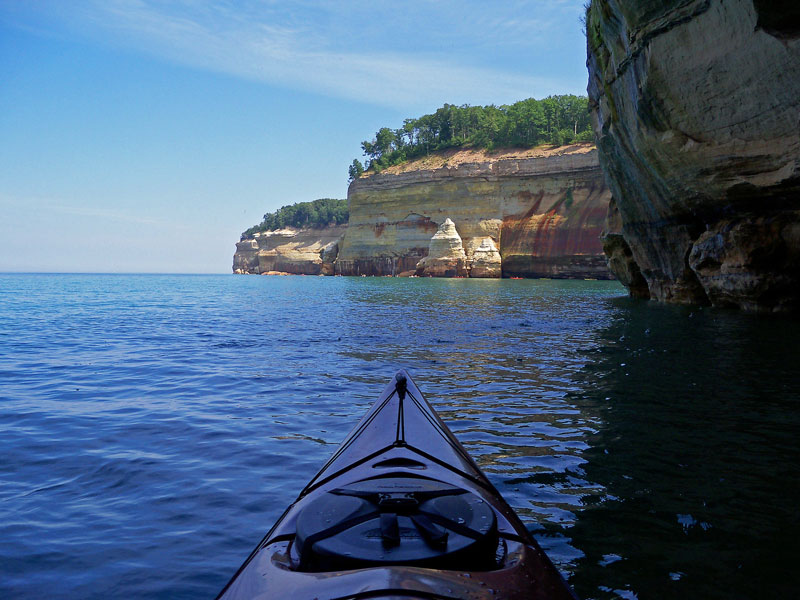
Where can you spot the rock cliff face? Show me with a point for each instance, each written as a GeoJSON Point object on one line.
{"type": "Point", "coordinates": [296, 251]}
{"type": "Point", "coordinates": [535, 213]}
{"type": "Point", "coordinates": [696, 109]}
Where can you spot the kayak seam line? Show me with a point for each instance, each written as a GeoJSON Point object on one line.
{"type": "Point", "coordinates": [311, 487]}
{"type": "Point", "coordinates": [437, 426]}
{"type": "Point", "coordinates": [450, 467]}
{"type": "Point", "coordinates": [358, 431]}
{"type": "Point", "coordinates": [352, 438]}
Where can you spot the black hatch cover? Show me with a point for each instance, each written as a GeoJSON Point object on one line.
{"type": "Point", "coordinates": [397, 521]}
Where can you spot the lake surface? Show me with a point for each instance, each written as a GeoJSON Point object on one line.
{"type": "Point", "coordinates": [152, 428]}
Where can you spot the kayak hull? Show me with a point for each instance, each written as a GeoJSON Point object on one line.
{"type": "Point", "coordinates": [398, 464]}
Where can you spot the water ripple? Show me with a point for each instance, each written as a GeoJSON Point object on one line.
{"type": "Point", "coordinates": [154, 427]}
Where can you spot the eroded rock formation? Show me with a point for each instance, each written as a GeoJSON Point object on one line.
{"type": "Point", "coordinates": [696, 108]}
{"type": "Point", "coordinates": [446, 256]}
{"type": "Point", "coordinates": [245, 259]}
{"type": "Point", "coordinates": [529, 213]}
{"type": "Point", "coordinates": [486, 260]}
{"type": "Point", "coordinates": [295, 251]}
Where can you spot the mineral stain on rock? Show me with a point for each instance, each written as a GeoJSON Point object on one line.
{"type": "Point", "coordinates": [534, 213]}
{"type": "Point", "coordinates": [515, 213]}
{"type": "Point", "coordinates": [560, 242]}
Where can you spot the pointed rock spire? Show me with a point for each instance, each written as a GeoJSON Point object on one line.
{"type": "Point", "coordinates": [446, 256]}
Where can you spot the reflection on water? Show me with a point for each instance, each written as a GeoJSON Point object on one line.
{"type": "Point", "coordinates": [654, 449]}
{"type": "Point", "coordinates": [697, 454]}
{"type": "Point", "coordinates": [155, 427]}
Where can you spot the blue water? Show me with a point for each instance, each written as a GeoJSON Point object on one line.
{"type": "Point", "coordinates": [152, 428]}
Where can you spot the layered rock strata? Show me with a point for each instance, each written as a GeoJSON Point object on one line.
{"type": "Point", "coordinates": [696, 109]}
{"type": "Point", "coordinates": [245, 259]}
{"type": "Point", "coordinates": [536, 213]}
{"type": "Point", "coordinates": [295, 251]}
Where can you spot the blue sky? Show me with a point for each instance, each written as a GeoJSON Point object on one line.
{"type": "Point", "coordinates": [144, 136]}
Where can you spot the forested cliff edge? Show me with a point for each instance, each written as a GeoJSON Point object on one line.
{"type": "Point", "coordinates": [467, 191]}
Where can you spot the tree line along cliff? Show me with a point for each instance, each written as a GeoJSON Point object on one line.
{"type": "Point", "coordinates": [555, 120]}
{"type": "Point", "coordinates": [438, 198]}
{"type": "Point", "coordinates": [302, 215]}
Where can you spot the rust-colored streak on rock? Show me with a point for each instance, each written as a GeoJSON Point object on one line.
{"type": "Point", "coordinates": [535, 205]}
{"type": "Point", "coordinates": [561, 241]}
{"type": "Point", "coordinates": [496, 202]}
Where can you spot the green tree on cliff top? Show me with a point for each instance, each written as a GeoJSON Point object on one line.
{"type": "Point", "coordinates": [553, 120]}
{"type": "Point", "coordinates": [319, 213]}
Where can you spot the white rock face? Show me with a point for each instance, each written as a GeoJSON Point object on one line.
{"type": "Point", "coordinates": [245, 260]}
{"type": "Point", "coordinates": [446, 257]}
{"type": "Point", "coordinates": [296, 251]}
{"type": "Point", "coordinates": [486, 261]}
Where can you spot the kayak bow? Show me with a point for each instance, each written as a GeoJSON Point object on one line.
{"type": "Point", "coordinates": [399, 511]}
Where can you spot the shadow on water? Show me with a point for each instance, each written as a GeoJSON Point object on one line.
{"type": "Point", "coordinates": [697, 453]}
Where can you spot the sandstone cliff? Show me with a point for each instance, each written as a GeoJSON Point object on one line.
{"type": "Point", "coordinates": [533, 213]}
{"type": "Point", "coordinates": [296, 251]}
{"type": "Point", "coordinates": [696, 109]}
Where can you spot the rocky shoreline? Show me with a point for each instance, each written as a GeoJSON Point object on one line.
{"type": "Point", "coordinates": [289, 251]}
{"type": "Point", "coordinates": [536, 213]}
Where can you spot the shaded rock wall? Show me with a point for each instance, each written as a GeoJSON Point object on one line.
{"type": "Point", "coordinates": [295, 251]}
{"type": "Point", "coordinates": [696, 109]}
{"type": "Point", "coordinates": [543, 212]}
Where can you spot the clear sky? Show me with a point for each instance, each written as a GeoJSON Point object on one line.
{"type": "Point", "coordinates": [145, 136]}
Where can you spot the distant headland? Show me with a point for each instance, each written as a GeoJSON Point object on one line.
{"type": "Point", "coordinates": [442, 197]}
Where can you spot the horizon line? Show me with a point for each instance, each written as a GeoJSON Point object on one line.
{"type": "Point", "coordinates": [107, 273]}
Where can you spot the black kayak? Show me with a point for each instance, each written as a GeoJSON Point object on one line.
{"type": "Point", "coordinates": [399, 511]}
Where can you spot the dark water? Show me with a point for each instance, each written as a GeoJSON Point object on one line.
{"type": "Point", "coordinates": [153, 427]}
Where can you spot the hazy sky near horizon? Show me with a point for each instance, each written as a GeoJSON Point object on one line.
{"type": "Point", "coordinates": [144, 136]}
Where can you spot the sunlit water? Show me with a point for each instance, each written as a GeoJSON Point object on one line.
{"type": "Point", "coordinates": [152, 428]}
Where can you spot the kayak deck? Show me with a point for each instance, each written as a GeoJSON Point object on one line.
{"type": "Point", "coordinates": [400, 510]}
